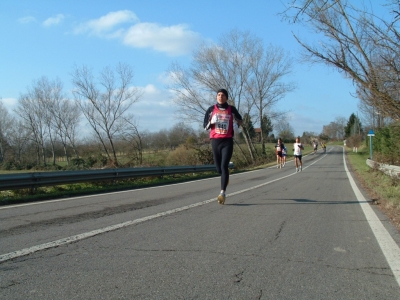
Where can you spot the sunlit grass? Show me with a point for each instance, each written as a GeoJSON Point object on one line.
{"type": "Point", "coordinates": [382, 186]}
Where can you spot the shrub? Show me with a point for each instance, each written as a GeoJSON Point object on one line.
{"type": "Point", "coordinates": [95, 161]}
{"type": "Point", "coordinates": [204, 155]}
{"type": "Point", "coordinates": [77, 163]}
{"type": "Point", "coordinates": [182, 156]}
{"type": "Point", "coordinates": [386, 144]}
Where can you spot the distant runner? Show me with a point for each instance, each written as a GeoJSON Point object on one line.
{"type": "Point", "coordinates": [278, 149]}
{"type": "Point", "coordinates": [315, 145]}
{"type": "Point", "coordinates": [297, 148]}
{"type": "Point", "coordinates": [284, 153]}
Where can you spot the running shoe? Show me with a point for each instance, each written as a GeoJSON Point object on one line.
{"type": "Point", "coordinates": [221, 198]}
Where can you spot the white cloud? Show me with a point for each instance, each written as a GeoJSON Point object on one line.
{"type": "Point", "coordinates": [106, 23]}
{"type": "Point", "coordinates": [166, 78]}
{"type": "Point", "coordinates": [26, 20]}
{"type": "Point", "coordinates": [154, 111]}
{"type": "Point", "coordinates": [54, 20]}
{"type": "Point", "coordinates": [152, 96]}
{"type": "Point", "coordinates": [9, 103]}
{"type": "Point", "coordinates": [173, 40]}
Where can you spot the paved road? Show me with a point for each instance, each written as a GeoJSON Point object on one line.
{"type": "Point", "coordinates": [280, 235]}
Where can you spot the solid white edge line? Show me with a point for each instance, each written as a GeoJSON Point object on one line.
{"type": "Point", "coordinates": [390, 249]}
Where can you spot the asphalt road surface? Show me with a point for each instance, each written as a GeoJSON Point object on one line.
{"type": "Point", "coordinates": [280, 235]}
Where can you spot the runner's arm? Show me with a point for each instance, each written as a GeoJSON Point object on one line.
{"type": "Point", "coordinates": [237, 116]}
{"type": "Point", "coordinates": [207, 118]}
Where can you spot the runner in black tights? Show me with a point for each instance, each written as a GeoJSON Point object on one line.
{"type": "Point", "coordinates": [219, 118]}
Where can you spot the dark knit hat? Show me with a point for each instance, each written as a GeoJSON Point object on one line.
{"type": "Point", "coordinates": [224, 91]}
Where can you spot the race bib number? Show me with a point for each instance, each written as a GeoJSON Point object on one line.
{"type": "Point", "coordinates": [222, 127]}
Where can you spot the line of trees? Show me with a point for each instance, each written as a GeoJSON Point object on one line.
{"type": "Point", "coordinates": [46, 118]}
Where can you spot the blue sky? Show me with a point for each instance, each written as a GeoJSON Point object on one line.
{"type": "Point", "coordinates": [48, 38]}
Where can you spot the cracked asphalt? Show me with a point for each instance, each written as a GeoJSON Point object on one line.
{"type": "Point", "coordinates": [280, 235]}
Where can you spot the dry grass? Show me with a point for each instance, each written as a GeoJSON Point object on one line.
{"type": "Point", "coordinates": [383, 190]}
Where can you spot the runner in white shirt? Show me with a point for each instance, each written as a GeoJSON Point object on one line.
{"type": "Point", "coordinates": [297, 148]}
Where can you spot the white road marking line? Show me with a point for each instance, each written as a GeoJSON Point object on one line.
{"type": "Point", "coordinates": [74, 238]}
{"type": "Point", "coordinates": [96, 195]}
{"type": "Point", "coordinates": [387, 244]}
{"type": "Point", "coordinates": [389, 247]}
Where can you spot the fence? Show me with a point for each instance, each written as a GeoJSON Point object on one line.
{"type": "Point", "coordinates": [33, 180]}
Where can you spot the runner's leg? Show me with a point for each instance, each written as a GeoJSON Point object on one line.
{"type": "Point", "coordinates": [226, 155]}
{"type": "Point", "coordinates": [216, 154]}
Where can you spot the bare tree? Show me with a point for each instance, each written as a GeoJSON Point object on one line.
{"type": "Point", "coordinates": [358, 43]}
{"type": "Point", "coordinates": [106, 109]}
{"type": "Point", "coordinates": [46, 106]}
{"type": "Point", "coordinates": [65, 115]}
{"type": "Point", "coordinates": [47, 95]}
{"type": "Point", "coordinates": [7, 122]}
{"type": "Point", "coordinates": [284, 130]}
{"type": "Point", "coordinates": [179, 134]}
{"type": "Point", "coordinates": [335, 129]}
{"type": "Point", "coordinates": [19, 140]}
{"type": "Point", "coordinates": [225, 65]}
{"type": "Point", "coordinates": [372, 117]}
{"type": "Point", "coordinates": [159, 140]}
{"type": "Point", "coordinates": [134, 138]}
{"type": "Point", "coordinates": [236, 63]}
{"type": "Point", "coordinates": [33, 113]}
{"type": "Point", "coordinates": [266, 87]}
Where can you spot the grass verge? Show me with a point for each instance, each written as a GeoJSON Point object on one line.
{"type": "Point", "coordinates": [382, 189]}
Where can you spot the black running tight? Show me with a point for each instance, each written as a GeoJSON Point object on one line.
{"type": "Point", "coordinates": [222, 151]}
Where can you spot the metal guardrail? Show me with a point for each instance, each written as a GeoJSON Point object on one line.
{"type": "Point", "coordinates": [32, 180]}
{"type": "Point", "coordinates": [392, 171]}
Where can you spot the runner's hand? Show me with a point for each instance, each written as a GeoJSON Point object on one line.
{"type": "Point", "coordinates": [214, 119]}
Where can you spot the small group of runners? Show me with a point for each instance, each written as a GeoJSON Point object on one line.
{"type": "Point", "coordinates": [281, 152]}
{"type": "Point", "coordinates": [220, 119]}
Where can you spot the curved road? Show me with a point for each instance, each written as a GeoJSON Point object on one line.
{"type": "Point", "coordinates": [280, 235]}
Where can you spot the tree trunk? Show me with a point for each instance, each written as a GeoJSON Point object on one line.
{"type": "Point", "coordinates": [246, 138]}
